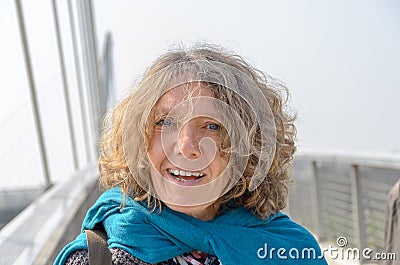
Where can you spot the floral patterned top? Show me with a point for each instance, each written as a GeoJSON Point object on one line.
{"type": "Point", "coordinates": [121, 257]}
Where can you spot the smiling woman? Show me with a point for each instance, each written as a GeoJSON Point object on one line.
{"type": "Point", "coordinates": [196, 164]}
{"type": "Point", "coordinates": [185, 144]}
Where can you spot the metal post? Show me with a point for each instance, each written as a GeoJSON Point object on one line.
{"type": "Point", "coordinates": [38, 124]}
{"type": "Point", "coordinates": [90, 13]}
{"type": "Point", "coordinates": [65, 87]}
{"type": "Point", "coordinates": [87, 70]}
{"type": "Point", "coordinates": [87, 7]}
{"type": "Point", "coordinates": [92, 29]}
{"type": "Point", "coordinates": [358, 207]}
{"type": "Point", "coordinates": [79, 80]}
{"type": "Point", "coordinates": [317, 198]}
{"type": "Point", "coordinates": [107, 62]}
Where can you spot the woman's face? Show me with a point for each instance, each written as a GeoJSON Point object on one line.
{"type": "Point", "coordinates": [185, 148]}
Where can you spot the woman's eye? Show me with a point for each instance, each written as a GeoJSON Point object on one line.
{"type": "Point", "coordinates": [213, 126]}
{"type": "Point", "coordinates": [164, 122]}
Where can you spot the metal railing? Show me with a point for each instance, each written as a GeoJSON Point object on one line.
{"type": "Point", "coordinates": [343, 196]}
{"type": "Point", "coordinates": [54, 217]}
{"type": "Point", "coordinates": [94, 90]}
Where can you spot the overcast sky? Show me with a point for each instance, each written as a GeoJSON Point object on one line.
{"type": "Point", "coordinates": [340, 60]}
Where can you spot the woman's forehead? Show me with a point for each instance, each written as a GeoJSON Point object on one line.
{"type": "Point", "coordinates": [180, 93]}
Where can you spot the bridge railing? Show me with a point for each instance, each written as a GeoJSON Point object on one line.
{"type": "Point", "coordinates": [50, 213]}
{"type": "Point", "coordinates": [343, 196]}
{"type": "Point", "coordinates": [42, 229]}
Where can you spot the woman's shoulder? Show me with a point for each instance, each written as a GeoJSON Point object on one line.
{"type": "Point", "coordinates": [119, 256]}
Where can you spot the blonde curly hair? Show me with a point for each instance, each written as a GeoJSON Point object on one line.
{"type": "Point", "coordinates": [269, 197]}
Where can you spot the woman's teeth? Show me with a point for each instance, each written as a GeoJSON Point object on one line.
{"type": "Point", "coordinates": [182, 175]}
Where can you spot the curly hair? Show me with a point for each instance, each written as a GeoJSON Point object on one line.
{"type": "Point", "coordinates": [269, 197]}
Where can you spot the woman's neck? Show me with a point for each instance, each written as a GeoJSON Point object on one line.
{"type": "Point", "coordinates": [201, 212]}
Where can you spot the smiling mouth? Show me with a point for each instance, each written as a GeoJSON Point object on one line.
{"type": "Point", "coordinates": [185, 176]}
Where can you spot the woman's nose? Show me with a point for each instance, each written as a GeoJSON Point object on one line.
{"type": "Point", "coordinates": [188, 142]}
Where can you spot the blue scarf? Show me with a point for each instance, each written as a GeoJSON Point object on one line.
{"type": "Point", "coordinates": [235, 237]}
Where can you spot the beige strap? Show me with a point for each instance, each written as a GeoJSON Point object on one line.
{"type": "Point", "coordinates": [99, 254]}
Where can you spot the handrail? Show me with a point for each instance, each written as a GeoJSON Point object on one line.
{"type": "Point", "coordinates": [39, 230]}
{"type": "Point", "coordinates": [384, 161]}
{"type": "Point", "coordinates": [343, 195]}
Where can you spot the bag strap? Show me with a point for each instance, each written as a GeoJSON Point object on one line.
{"type": "Point", "coordinates": [99, 254]}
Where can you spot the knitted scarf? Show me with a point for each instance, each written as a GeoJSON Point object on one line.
{"type": "Point", "coordinates": [235, 237]}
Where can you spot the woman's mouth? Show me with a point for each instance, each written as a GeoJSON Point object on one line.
{"type": "Point", "coordinates": [185, 176]}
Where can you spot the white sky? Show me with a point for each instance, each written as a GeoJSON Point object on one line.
{"type": "Point", "coordinates": [340, 60]}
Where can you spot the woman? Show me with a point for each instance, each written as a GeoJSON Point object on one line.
{"type": "Point", "coordinates": [196, 163]}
